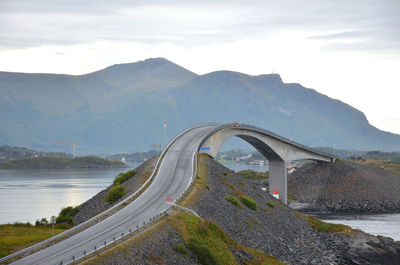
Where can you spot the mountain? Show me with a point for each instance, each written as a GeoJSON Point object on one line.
{"type": "Point", "coordinates": [121, 108]}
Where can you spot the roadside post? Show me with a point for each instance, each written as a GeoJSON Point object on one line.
{"type": "Point", "coordinates": [276, 194]}
{"type": "Point", "coordinates": [52, 221]}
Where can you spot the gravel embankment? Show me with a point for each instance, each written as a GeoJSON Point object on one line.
{"type": "Point", "coordinates": [345, 187]}
{"type": "Point", "coordinates": [98, 204]}
{"type": "Point", "coordinates": [278, 231]}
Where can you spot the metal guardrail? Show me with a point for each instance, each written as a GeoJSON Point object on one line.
{"type": "Point", "coordinates": [116, 205]}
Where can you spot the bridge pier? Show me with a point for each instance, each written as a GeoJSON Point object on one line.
{"type": "Point", "coordinates": [278, 179]}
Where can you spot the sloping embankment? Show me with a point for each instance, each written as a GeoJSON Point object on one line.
{"type": "Point", "coordinates": [346, 187]}
{"type": "Point", "coordinates": [98, 204]}
{"type": "Point", "coordinates": [233, 233]}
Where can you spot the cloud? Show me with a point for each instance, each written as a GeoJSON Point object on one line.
{"type": "Point", "coordinates": [27, 23]}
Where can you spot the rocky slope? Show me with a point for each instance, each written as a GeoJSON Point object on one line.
{"type": "Point", "coordinates": [345, 187]}
{"type": "Point", "coordinates": [272, 228]}
{"type": "Point", "coordinates": [98, 203]}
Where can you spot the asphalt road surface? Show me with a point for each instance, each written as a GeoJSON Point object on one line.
{"type": "Point", "coordinates": [174, 175]}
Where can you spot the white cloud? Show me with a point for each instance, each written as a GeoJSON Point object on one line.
{"type": "Point", "coordinates": [348, 50]}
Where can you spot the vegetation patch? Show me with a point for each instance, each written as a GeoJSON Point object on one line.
{"type": "Point", "coordinates": [324, 227]}
{"type": "Point", "coordinates": [122, 177]}
{"type": "Point", "coordinates": [208, 242]}
{"type": "Point", "coordinates": [180, 248]}
{"type": "Point", "coordinates": [250, 174]}
{"type": "Point", "coordinates": [115, 193]}
{"type": "Point", "coordinates": [271, 204]}
{"type": "Point", "coordinates": [157, 260]}
{"type": "Point", "coordinates": [67, 215]}
{"type": "Point", "coordinates": [233, 200]}
{"type": "Point", "coordinates": [235, 190]}
{"type": "Point", "coordinates": [57, 162]}
{"type": "Point", "coordinates": [14, 237]}
{"type": "Point", "coordinates": [249, 203]}
{"type": "Point", "coordinates": [211, 245]}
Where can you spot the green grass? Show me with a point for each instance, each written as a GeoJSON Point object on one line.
{"type": "Point", "coordinates": [180, 248]}
{"type": "Point", "coordinates": [324, 227]}
{"type": "Point", "coordinates": [233, 200]}
{"type": "Point", "coordinates": [115, 193]}
{"type": "Point", "coordinates": [211, 245]}
{"type": "Point", "coordinates": [208, 242]}
{"type": "Point", "coordinates": [122, 177]}
{"type": "Point", "coordinates": [249, 203]}
{"type": "Point", "coordinates": [250, 174]}
{"type": "Point", "coordinates": [17, 237]}
{"type": "Point", "coordinates": [271, 204]}
{"type": "Point", "coordinates": [393, 167]}
{"type": "Point", "coordinates": [207, 187]}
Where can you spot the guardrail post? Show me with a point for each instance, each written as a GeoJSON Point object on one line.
{"type": "Point", "coordinates": [114, 239]}
{"type": "Point", "coordinates": [95, 248]}
{"type": "Point", "coordinates": [61, 262]}
{"type": "Point", "coordinates": [130, 230]}
{"type": "Point", "coordinates": [84, 253]}
{"type": "Point", "coordinates": [104, 243]}
{"type": "Point", "coordinates": [137, 227]}
{"type": "Point", "coordinates": [73, 258]}
{"type": "Point", "coordinates": [122, 234]}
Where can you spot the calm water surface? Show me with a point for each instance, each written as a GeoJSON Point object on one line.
{"type": "Point", "coordinates": [28, 195]}
{"type": "Point", "coordinates": [382, 224]}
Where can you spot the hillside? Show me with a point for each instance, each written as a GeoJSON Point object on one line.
{"type": "Point", "coordinates": [14, 152]}
{"type": "Point", "coordinates": [60, 163]}
{"type": "Point", "coordinates": [121, 108]}
{"type": "Point", "coordinates": [236, 234]}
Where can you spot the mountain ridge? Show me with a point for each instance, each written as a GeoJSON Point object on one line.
{"type": "Point", "coordinates": [121, 108]}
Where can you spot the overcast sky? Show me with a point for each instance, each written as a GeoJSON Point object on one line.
{"type": "Point", "coordinates": [348, 50]}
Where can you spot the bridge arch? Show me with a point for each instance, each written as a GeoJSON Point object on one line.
{"type": "Point", "coordinates": [276, 149]}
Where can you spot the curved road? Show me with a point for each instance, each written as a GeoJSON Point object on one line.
{"type": "Point", "coordinates": [174, 175]}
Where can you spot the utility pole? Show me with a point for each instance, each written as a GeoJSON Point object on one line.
{"type": "Point", "coordinates": [165, 133]}
{"type": "Point", "coordinates": [334, 150]}
{"type": "Point", "coordinates": [76, 145]}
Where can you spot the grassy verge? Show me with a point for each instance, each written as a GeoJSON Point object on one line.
{"type": "Point", "coordinates": [392, 167]}
{"type": "Point", "coordinates": [211, 245]}
{"type": "Point", "coordinates": [14, 237]}
{"type": "Point", "coordinates": [233, 200]}
{"type": "Point", "coordinates": [321, 226]}
{"type": "Point", "coordinates": [250, 174]}
{"type": "Point", "coordinates": [201, 179]}
{"type": "Point", "coordinates": [249, 202]}
{"type": "Point", "coordinates": [122, 177]}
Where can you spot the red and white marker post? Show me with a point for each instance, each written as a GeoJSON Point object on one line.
{"type": "Point", "coordinates": [276, 194]}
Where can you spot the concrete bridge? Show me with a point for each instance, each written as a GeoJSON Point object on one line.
{"type": "Point", "coordinates": [171, 178]}
{"type": "Point", "coordinates": [276, 149]}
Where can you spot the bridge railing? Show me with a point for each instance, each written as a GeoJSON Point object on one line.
{"type": "Point", "coordinates": [113, 240]}
{"type": "Point", "coordinates": [95, 218]}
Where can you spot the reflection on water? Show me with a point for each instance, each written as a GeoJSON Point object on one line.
{"type": "Point", "coordinates": [383, 224]}
{"type": "Point", "coordinates": [28, 195]}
